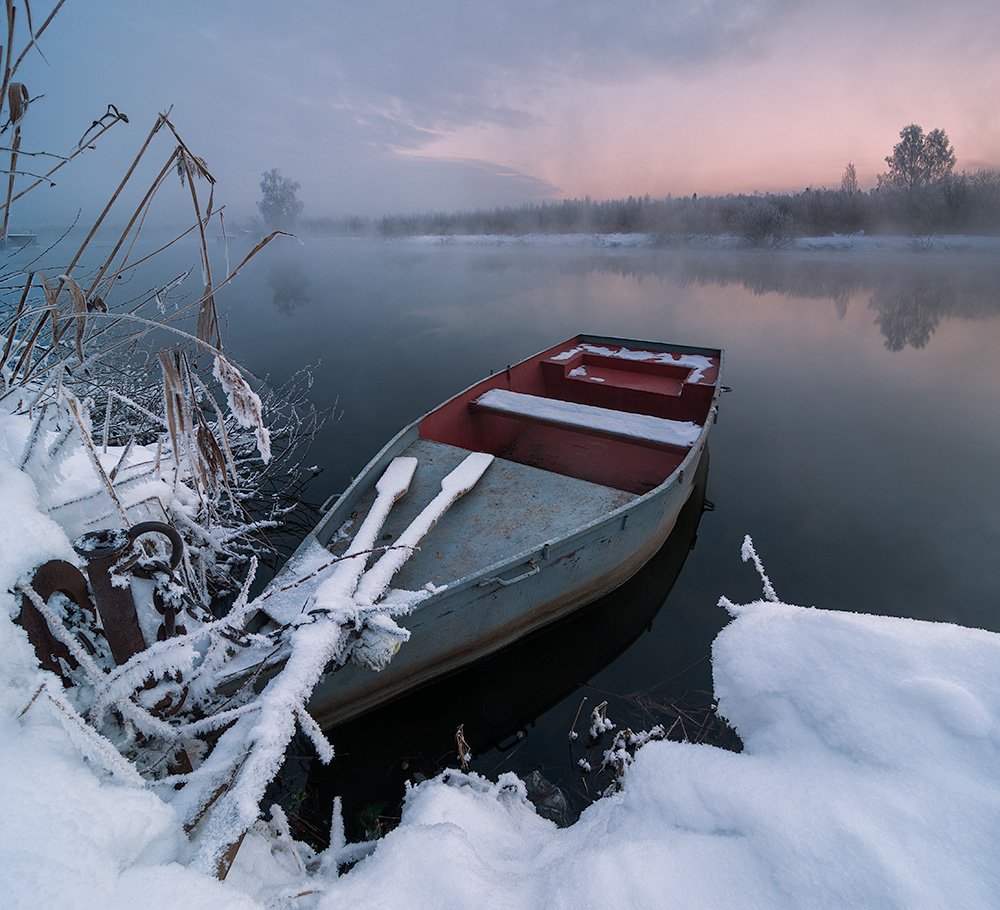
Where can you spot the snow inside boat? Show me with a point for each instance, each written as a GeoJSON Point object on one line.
{"type": "Point", "coordinates": [528, 495]}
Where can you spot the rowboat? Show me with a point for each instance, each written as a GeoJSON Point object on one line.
{"type": "Point", "coordinates": [501, 696]}
{"type": "Point", "coordinates": [528, 495]}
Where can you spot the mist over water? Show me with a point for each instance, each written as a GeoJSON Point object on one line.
{"type": "Point", "coordinates": [858, 443]}
{"type": "Point", "coordinates": [858, 446]}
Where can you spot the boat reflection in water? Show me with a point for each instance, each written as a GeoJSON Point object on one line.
{"type": "Point", "coordinates": [496, 700]}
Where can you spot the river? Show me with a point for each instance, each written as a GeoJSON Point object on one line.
{"type": "Point", "coordinates": [859, 445]}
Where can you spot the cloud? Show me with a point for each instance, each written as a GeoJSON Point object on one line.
{"type": "Point", "coordinates": [354, 99]}
{"type": "Point", "coordinates": [437, 66]}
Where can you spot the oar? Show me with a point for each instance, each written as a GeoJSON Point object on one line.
{"type": "Point", "coordinates": [453, 487]}
{"type": "Point", "coordinates": [392, 485]}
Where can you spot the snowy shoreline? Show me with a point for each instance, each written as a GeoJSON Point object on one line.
{"type": "Point", "coordinates": [867, 780]}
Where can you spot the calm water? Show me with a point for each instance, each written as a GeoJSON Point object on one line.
{"type": "Point", "coordinates": [859, 446]}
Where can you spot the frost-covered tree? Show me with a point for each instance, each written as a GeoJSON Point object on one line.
{"type": "Point", "coordinates": [279, 202]}
{"type": "Point", "coordinates": [849, 182]}
{"type": "Point", "coordinates": [939, 155]}
{"type": "Point", "coordinates": [918, 160]}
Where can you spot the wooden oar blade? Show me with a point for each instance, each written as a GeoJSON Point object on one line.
{"type": "Point", "coordinates": [455, 485]}
{"type": "Point", "coordinates": [466, 475]}
{"type": "Point", "coordinates": [397, 477]}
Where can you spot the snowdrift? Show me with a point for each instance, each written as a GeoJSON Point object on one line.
{"type": "Point", "coordinates": [869, 779]}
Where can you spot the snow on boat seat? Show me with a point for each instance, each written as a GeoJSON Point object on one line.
{"type": "Point", "coordinates": [568, 414]}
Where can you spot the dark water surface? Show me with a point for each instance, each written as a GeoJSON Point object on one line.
{"type": "Point", "coordinates": [860, 445]}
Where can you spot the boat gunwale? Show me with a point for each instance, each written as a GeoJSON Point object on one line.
{"type": "Point", "coordinates": [363, 481]}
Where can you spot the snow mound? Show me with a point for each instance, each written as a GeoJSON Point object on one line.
{"type": "Point", "coordinates": [868, 780]}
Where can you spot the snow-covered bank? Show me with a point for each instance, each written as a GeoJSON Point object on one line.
{"type": "Point", "coordinates": [860, 242]}
{"type": "Point", "coordinates": [868, 779]}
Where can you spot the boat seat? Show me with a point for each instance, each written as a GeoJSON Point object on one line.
{"type": "Point", "coordinates": [588, 418]}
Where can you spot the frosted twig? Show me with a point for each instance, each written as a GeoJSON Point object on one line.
{"type": "Point", "coordinates": [31, 443]}
{"type": "Point", "coordinates": [279, 825]}
{"type": "Point", "coordinates": [259, 742]}
{"type": "Point", "coordinates": [56, 627]}
{"type": "Point", "coordinates": [323, 746]}
{"type": "Point", "coordinates": [34, 698]}
{"type": "Point", "coordinates": [599, 721]}
{"type": "Point", "coordinates": [113, 473]}
{"type": "Point", "coordinates": [88, 446]}
{"type": "Point", "coordinates": [464, 752]}
{"type": "Point", "coordinates": [749, 554]}
{"type": "Point", "coordinates": [90, 742]}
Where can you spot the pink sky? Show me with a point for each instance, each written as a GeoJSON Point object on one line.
{"type": "Point", "coordinates": [832, 83]}
{"type": "Point", "coordinates": [378, 106]}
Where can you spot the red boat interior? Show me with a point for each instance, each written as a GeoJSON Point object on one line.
{"type": "Point", "coordinates": [546, 431]}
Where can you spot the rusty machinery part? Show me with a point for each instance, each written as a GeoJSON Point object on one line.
{"type": "Point", "coordinates": [108, 554]}
{"type": "Point", "coordinates": [169, 626]}
{"type": "Point", "coordinates": [55, 576]}
{"type": "Point", "coordinates": [176, 547]}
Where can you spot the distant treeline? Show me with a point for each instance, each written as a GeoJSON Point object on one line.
{"type": "Point", "coordinates": [959, 203]}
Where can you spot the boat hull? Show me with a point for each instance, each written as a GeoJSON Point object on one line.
{"type": "Point", "coordinates": [480, 616]}
{"type": "Point", "coordinates": [572, 506]}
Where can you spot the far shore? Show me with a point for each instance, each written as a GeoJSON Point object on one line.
{"type": "Point", "coordinates": [893, 243]}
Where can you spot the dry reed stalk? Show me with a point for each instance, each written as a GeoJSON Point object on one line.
{"type": "Point", "coordinates": [47, 176]}
{"type": "Point", "coordinates": [26, 354]}
{"type": "Point", "coordinates": [464, 752]}
{"type": "Point", "coordinates": [188, 159]}
{"type": "Point", "coordinates": [222, 432]}
{"type": "Point", "coordinates": [228, 858]}
{"type": "Point", "coordinates": [15, 145]}
{"type": "Point", "coordinates": [118, 191]}
{"type": "Point", "coordinates": [17, 102]}
{"type": "Point", "coordinates": [52, 303]}
{"type": "Point", "coordinates": [172, 390]}
{"type": "Point", "coordinates": [113, 473]}
{"type": "Point", "coordinates": [208, 317]}
{"type": "Point", "coordinates": [187, 426]}
{"type": "Point", "coordinates": [80, 306]}
{"type": "Point", "coordinates": [146, 199]}
{"type": "Point", "coordinates": [198, 162]}
{"type": "Point", "coordinates": [206, 457]}
{"type": "Point", "coordinates": [106, 431]}
{"type": "Point", "coordinates": [17, 318]}
{"type": "Point", "coordinates": [88, 445]}
{"type": "Point", "coordinates": [9, 50]}
{"type": "Point", "coordinates": [35, 35]}
{"type": "Point", "coordinates": [34, 698]}
{"type": "Point", "coordinates": [34, 434]}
